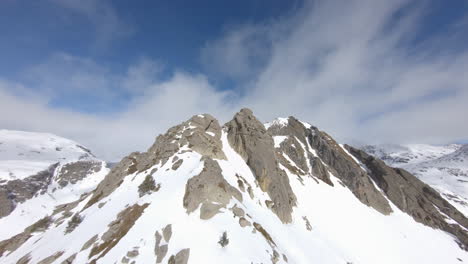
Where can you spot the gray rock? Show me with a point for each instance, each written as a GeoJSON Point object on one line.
{"type": "Point", "coordinates": [167, 232]}
{"type": "Point", "coordinates": [20, 190]}
{"type": "Point", "coordinates": [208, 210]}
{"type": "Point", "coordinates": [148, 186]}
{"type": "Point", "coordinates": [244, 222]}
{"type": "Point", "coordinates": [210, 189]}
{"type": "Point", "coordinates": [347, 170]}
{"type": "Point", "coordinates": [320, 171]}
{"type": "Point", "coordinates": [177, 164]}
{"type": "Point", "coordinates": [161, 253]}
{"type": "Point", "coordinates": [69, 260]}
{"type": "Point", "coordinates": [248, 137]}
{"type": "Point", "coordinates": [90, 242]}
{"type": "Point", "coordinates": [74, 172]}
{"type": "Point", "coordinates": [24, 259]}
{"type": "Point", "coordinates": [133, 253]}
{"type": "Point", "coordinates": [237, 211]}
{"type": "Point", "coordinates": [331, 154]}
{"type": "Point", "coordinates": [52, 258]}
{"type": "Point", "coordinates": [117, 229]}
{"type": "Point", "coordinates": [13, 243]}
{"type": "Point", "coordinates": [275, 257]}
{"type": "Point", "coordinates": [180, 258]}
{"type": "Point", "coordinates": [192, 133]}
{"type": "Point", "coordinates": [414, 197]}
{"type": "Point", "coordinates": [112, 181]}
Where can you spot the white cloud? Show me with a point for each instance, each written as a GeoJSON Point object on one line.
{"type": "Point", "coordinates": [344, 66]}
{"type": "Point", "coordinates": [153, 107]}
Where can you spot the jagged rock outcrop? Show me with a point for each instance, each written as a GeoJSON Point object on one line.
{"type": "Point", "coordinates": [338, 162]}
{"type": "Point", "coordinates": [414, 197]}
{"type": "Point", "coordinates": [114, 178]}
{"type": "Point", "coordinates": [20, 190]}
{"type": "Point", "coordinates": [201, 133]}
{"type": "Point", "coordinates": [248, 137]}
{"type": "Point", "coordinates": [142, 211]}
{"type": "Point", "coordinates": [73, 172]}
{"type": "Point", "coordinates": [347, 170]}
{"type": "Point", "coordinates": [209, 189]}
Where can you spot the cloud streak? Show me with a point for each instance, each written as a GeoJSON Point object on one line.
{"type": "Point", "coordinates": [353, 68]}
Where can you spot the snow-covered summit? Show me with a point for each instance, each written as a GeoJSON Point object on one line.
{"type": "Point", "coordinates": [39, 171]}
{"type": "Point", "coordinates": [24, 153]}
{"type": "Point", "coordinates": [279, 121]}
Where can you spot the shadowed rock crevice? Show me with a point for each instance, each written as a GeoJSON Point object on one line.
{"type": "Point", "coordinates": [414, 197]}
{"type": "Point", "coordinates": [248, 137]}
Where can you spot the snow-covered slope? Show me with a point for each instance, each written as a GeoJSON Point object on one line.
{"type": "Point", "coordinates": [23, 154]}
{"type": "Point", "coordinates": [39, 171]}
{"type": "Point", "coordinates": [445, 168]}
{"type": "Point", "coordinates": [301, 198]}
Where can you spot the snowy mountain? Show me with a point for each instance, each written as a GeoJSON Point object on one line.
{"type": "Point", "coordinates": [39, 171]}
{"type": "Point", "coordinates": [445, 168]}
{"type": "Point", "coordinates": [245, 192]}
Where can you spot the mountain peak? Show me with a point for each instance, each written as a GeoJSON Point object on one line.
{"type": "Point", "coordinates": [245, 192]}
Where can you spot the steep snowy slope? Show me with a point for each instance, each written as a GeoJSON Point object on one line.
{"type": "Point", "coordinates": [289, 194]}
{"type": "Point", "coordinates": [39, 171]}
{"type": "Point", "coordinates": [445, 168]}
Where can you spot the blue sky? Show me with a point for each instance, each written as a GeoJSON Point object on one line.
{"type": "Point", "coordinates": [365, 71]}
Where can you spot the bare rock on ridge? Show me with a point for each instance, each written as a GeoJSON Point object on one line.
{"type": "Point", "coordinates": [20, 190]}
{"type": "Point", "coordinates": [202, 133]}
{"type": "Point", "coordinates": [414, 197]}
{"type": "Point", "coordinates": [347, 170]}
{"type": "Point", "coordinates": [248, 137]}
{"type": "Point", "coordinates": [209, 189]}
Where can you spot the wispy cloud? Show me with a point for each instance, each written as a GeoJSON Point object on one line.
{"type": "Point", "coordinates": [357, 69]}
{"type": "Point", "coordinates": [106, 22]}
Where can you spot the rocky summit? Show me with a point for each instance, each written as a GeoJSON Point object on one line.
{"type": "Point", "coordinates": [242, 192]}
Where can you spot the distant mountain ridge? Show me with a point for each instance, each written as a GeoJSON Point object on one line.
{"type": "Point", "coordinates": [242, 192]}
{"type": "Point", "coordinates": [39, 171]}
{"type": "Point", "coordinates": [445, 168]}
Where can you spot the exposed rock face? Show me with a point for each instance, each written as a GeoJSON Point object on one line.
{"type": "Point", "coordinates": [16, 241]}
{"type": "Point", "coordinates": [180, 258]}
{"type": "Point", "coordinates": [201, 133]}
{"type": "Point", "coordinates": [18, 191]}
{"type": "Point", "coordinates": [347, 170]}
{"type": "Point", "coordinates": [117, 230]}
{"type": "Point", "coordinates": [414, 197]}
{"type": "Point", "coordinates": [248, 137]}
{"type": "Point", "coordinates": [320, 171]}
{"type": "Point", "coordinates": [209, 189]}
{"type": "Point", "coordinates": [126, 166]}
{"type": "Point", "coordinates": [76, 171]}
{"type": "Point", "coordinates": [52, 258]}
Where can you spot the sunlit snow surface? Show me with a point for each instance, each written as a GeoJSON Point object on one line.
{"type": "Point", "coordinates": [23, 154]}
{"type": "Point", "coordinates": [343, 229]}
